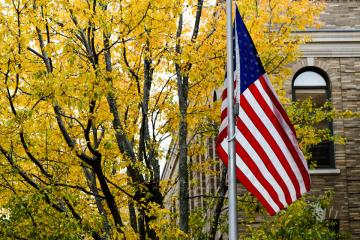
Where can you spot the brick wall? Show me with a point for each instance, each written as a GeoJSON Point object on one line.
{"type": "Point", "coordinates": [343, 14]}
{"type": "Point", "coordinates": [344, 76]}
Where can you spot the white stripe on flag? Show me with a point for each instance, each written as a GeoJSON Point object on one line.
{"type": "Point", "coordinates": [270, 153]}
{"type": "Point", "coordinates": [250, 176]}
{"type": "Point", "coordinates": [273, 131]}
{"type": "Point", "coordinates": [260, 164]}
{"type": "Point", "coordinates": [282, 121]}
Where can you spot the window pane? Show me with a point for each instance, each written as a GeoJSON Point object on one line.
{"type": "Point", "coordinates": [318, 96]}
{"type": "Point", "coordinates": [321, 155]}
{"type": "Point", "coordinates": [323, 124]}
{"type": "Point", "coordinates": [309, 78]}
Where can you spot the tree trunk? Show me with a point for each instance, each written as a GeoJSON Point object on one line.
{"type": "Point", "coordinates": [183, 90]}
{"type": "Point", "coordinates": [182, 86]}
{"type": "Point", "coordinates": [132, 214]}
{"type": "Point", "coordinates": [109, 197]}
{"type": "Point", "coordinates": [141, 221]}
{"type": "Point", "coordinates": [219, 203]}
{"type": "Point", "coordinates": [91, 181]}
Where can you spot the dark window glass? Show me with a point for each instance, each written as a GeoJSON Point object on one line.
{"type": "Point", "coordinates": [334, 225]}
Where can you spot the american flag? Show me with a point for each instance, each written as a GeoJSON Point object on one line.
{"type": "Point", "coordinates": [269, 162]}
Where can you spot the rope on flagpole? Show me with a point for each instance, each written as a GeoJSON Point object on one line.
{"type": "Point", "coordinates": [232, 138]}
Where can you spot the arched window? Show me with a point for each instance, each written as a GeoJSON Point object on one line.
{"type": "Point", "coordinates": [313, 82]}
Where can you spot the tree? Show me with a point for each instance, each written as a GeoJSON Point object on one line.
{"type": "Point", "coordinates": [82, 132]}
{"type": "Point", "coordinates": [87, 94]}
{"type": "Point", "coordinates": [302, 220]}
{"type": "Point", "coordinates": [271, 24]}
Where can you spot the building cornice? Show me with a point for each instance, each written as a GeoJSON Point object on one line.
{"type": "Point", "coordinates": [332, 43]}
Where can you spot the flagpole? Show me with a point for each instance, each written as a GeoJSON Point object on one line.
{"type": "Point", "coordinates": [231, 125]}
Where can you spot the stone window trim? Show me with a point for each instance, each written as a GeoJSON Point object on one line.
{"type": "Point", "coordinates": [325, 171]}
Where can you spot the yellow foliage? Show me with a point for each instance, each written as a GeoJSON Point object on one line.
{"type": "Point", "coordinates": [58, 73]}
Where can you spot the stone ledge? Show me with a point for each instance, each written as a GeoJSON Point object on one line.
{"type": "Point", "coordinates": [335, 171]}
{"type": "Point", "coordinates": [331, 43]}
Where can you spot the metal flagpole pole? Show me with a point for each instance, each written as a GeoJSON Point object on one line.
{"type": "Point", "coordinates": [231, 125]}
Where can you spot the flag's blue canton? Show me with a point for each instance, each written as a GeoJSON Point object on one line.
{"type": "Point", "coordinates": [250, 65]}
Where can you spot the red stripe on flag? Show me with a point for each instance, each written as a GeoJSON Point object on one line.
{"type": "Point", "coordinates": [280, 129]}
{"type": "Point", "coordinates": [276, 102]}
{"type": "Point", "coordinates": [248, 185]}
{"type": "Point", "coordinates": [222, 135]}
{"type": "Point", "coordinates": [264, 157]}
{"type": "Point", "coordinates": [224, 114]}
{"type": "Point", "coordinates": [224, 94]}
{"type": "Point", "coordinates": [256, 171]}
{"type": "Point", "coordinates": [271, 141]}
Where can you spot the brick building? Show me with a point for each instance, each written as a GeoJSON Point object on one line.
{"type": "Point", "coordinates": [328, 69]}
